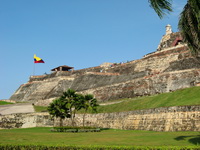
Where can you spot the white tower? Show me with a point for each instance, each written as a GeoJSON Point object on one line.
{"type": "Point", "coordinates": [168, 29]}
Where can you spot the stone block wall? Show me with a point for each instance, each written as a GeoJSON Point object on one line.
{"type": "Point", "coordinates": [148, 85]}
{"type": "Point", "coordinates": [180, 118]}
{"type": "Point", "coordinates": [28, 120]}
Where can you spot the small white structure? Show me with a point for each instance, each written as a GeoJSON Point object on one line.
{"type": "Point", "coordinates": [168, 29]}
{"type": "Point", "coordinates": [106, 64]}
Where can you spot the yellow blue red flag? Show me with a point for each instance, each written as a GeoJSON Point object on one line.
{"type": "Point", "coordinates": [37, 59]}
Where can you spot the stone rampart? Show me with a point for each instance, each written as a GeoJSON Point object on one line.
{"type": "Point", "coordinates": [180, 118]}
{"type": "Point", "coordinates": [42, 92]}
{"type": "Point", "coordinates": [148, 85]}
{"type": "Point", "coordinates": [55, 74]}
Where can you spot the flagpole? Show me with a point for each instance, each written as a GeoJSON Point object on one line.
{"type": "Point", "coordinates": [33, 68]}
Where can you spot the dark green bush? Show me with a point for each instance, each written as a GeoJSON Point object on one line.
{"type": "Point", "coordinates": [43, 147]}
{"type": "Point", "coordinates": [75, 129]}
{"type": "Point", "coordinates": [71, 127]}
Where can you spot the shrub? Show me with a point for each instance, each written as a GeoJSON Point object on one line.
{"type": "Point", "coordinates": [75, 129]}
{"type": "Point", "coordinates": [43, 147]}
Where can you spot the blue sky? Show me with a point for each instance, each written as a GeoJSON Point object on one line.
{"type": "Point", "coordinates": [77, 33]}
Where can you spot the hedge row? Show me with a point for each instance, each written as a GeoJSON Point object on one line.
{"type": "Point", "coordinates": [42, 147]}
{"type": "Point", "coordinates": [75, 129]}
{"type": "Point", "coordinates": [71, 127]}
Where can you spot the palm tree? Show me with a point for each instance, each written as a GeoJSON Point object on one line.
{"type": "Point", "coordinates": [189, 25]}
{"type": "Point", "coordinates": [161, 7]}
{"type": "Point", "coordinates": [58, 109]}
{"type": "Point", "coordinates": [189, 22]}
{"type": "Point", "coordinates": [72, 102]}
{"type": "Point", "coordinates": [89, 103]}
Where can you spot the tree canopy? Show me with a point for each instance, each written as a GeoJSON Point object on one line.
{"type": "Point", "coordinates": [67, 105]}
{"type": "Point", "coordinates": [58, 109]}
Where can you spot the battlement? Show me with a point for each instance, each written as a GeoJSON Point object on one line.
{"type": "Point", "coordinates": [103, 73]}
{"type": "Point", "coordinates": [64, 74]}
{"type": "Point", "coordinates": [181, 48]}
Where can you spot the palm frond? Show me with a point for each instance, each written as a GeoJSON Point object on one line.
{"type": "Point", "coordinates": [189, 25]}
{"type": "Point", "coordinates": [161, 7]}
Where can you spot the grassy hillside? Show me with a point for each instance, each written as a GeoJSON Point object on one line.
{"type": "Point", "coordinates": [188, 96]}
{"type": "Point", "coordinates": [5, 103]}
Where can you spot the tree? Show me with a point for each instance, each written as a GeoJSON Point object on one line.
{"type": "Point", "coordinates": [72, 102]}
{"type": "Point", "coordinates": [189, 25]}
{"type": "Point", "coordinates": [161, 7]}
{"type": "Point", "coordinates": [189, 22]}
{"type": "Point", "coordinates": [69, 103]}
{"type": "Point", "coordinates": [58, 109]}
{"type": "Point", "coordinates": [89, 103]}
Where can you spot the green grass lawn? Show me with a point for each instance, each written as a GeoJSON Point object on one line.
{"type": "Point", "coordinates": [43, 136]}
{"type": "Point", "coordinates": [188, 96]}
{"type": "Point", "coordinates": [5, 103]}
{"type": "Point", "coordinates": [40, 109]}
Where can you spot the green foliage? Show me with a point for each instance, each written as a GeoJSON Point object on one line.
{"type": "Point", "coordinates": [89, 103]}
{"type": "Point", "coordinates": [40, 108]}
{"type": "Point", "coordinates": [161, 6]}
{"type": "Point", "coordinates": [58, 109]}
{"type": "Point", "coordinates": [188, 96]}
{"type": "Point", "coordinates": [75, 129]}
{"type": "Point", "coordinates": [69, 103]}
{"type": "Point", "coordinates": [5, 103]}
{"type": "Point", "coordinates": [189, 25]}
{"type": "Point", "coordinates": [73, 102]}
{"type": "Point", "coordinates": [71, 127]}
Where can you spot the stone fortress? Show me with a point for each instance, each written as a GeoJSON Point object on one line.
{"type": "Point", "coordinates": [169, 68]}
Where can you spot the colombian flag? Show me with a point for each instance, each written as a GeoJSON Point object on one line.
{"type": "Point", "coordinates": [37, 59]}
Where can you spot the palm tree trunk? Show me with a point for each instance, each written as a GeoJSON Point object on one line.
{"type": "Point", "coordinates": [73, 117]}
{"type": "Point", "coordinates": [84, 120]}
{"type": "Point", "coordinates": [61, 122]}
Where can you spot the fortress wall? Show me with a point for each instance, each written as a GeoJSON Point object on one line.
{"type": "Point", "coordinates": [148, 85]}
{"type": "Point", "coordinates": [87, 81]}
{"type": "Point", "coordinates": [72, 73]}
{"type": "Point", "coordinates": [180, 118]}
{"type": "Point", "coordinates": [40, 90]}
{"type": "Point", "coordinates": [91, 81]}
{"type": "Point", "coordinates": [157, 61]}
{"type": "Point", "coordinates": [178, 49]}
{"type": "Point", "coordinates": [160, 61]}
{"type": "Point", "coordinates": [183, 64]}
{"type": "Point", "coordinates": [25, 120]}
{"type": "Point", "coordinates": [45, 91]}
